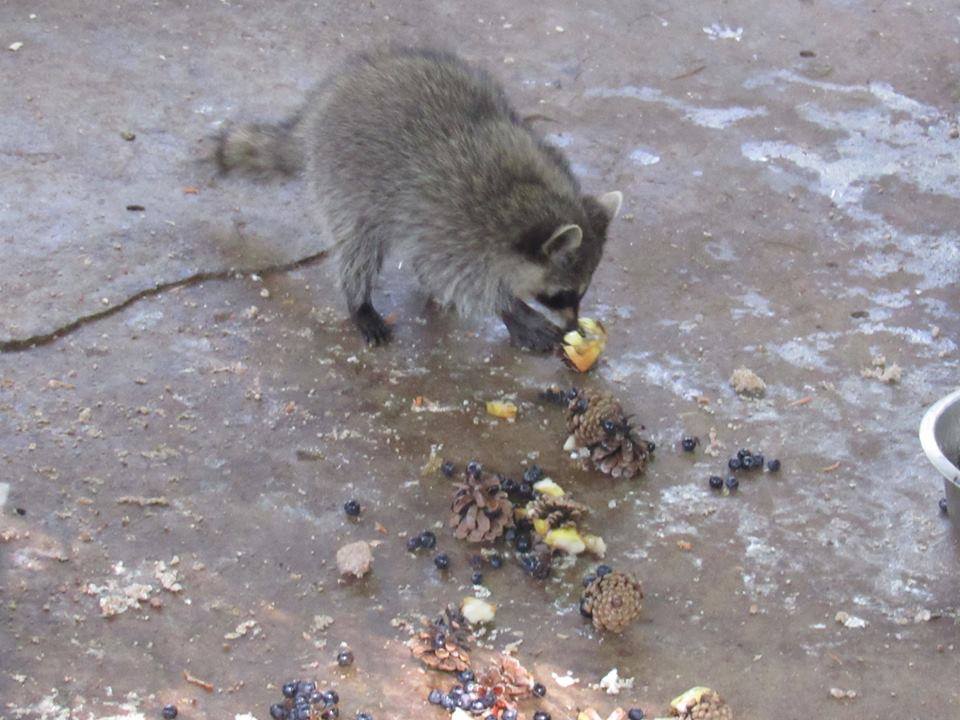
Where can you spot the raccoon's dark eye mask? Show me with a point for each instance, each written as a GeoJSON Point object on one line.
{"type": "Point", "coordinates": [560, 300]}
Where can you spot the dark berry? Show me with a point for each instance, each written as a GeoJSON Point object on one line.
{"type": "Point", "coordinates": [352, 508]}
{"type": "Point", "coordinates": [581, 406]}
{"type": "Point", "coordinates": [609, 427]}
{"type": "Point", "coordinates": [301, 712]}
{"type": "Point", "coordinates": [742, 453]}
{"type": "Point", "coordinates": [732, 483]}
{"type": "Point", "coordinates": [364, 716]}
{"type": "Point", "coordinates": [583, 609]}
{"type": "Point", "coordinates": [588, 580]}
{"type": "Point", "coordinates": [316, 698]}
{"type": "Point", "coordinates": [331, 713]}
{"type": "Point", "coordinates": [448, 468]}
{"type": "Point", "coordinates": [734, 463]}
{"type": "Point", "coordinates": [439, 640]}
{"type": "Point", "coordinates": [533, 474]}
{"type": "Point", "coordinates": [466, 676]}
{"type": "Point", "coordinates": [477, 706]}
{"type": "Point", "coordinates": [541, 715]}
{"type": "Point", "coordinates": [330, 697]}
{"type": "Point", "coordinates": [463, 702]}
{"type": "Point", "coordinates": [305, 688]}
{"type": "Point", "coordinates": [539, 689]}
{"type": "Point", "coordinates": [474, 468]}
{"type": "Point", "coordinates": [535, 565]}
{"type": "Point", "coordinates": [510, 535]}
{"type": "Point", "coordinates": [603, 570]}
{"type": "Point", "coordinates": [477, 578]}
{"type": "Point", "coordinates": [773, 465]}
{"type": "Point", "coordinates": [509, 485]}
{"type": "Point", "coordinates": [526, 490]}
{"type": "Point", "coordinates": [471, 687]}
{"type": "Point", "coordinates": [456, 691]}
{"type": "Point", "coordinates": [442, 561]}
{"type": "Point", "coordinates": [943, 505]}
{"type": "Point", "coordinates": [689, 444]}
{"type": "Point", "coordinates": [716, 482]}
{"type": "Point", "coordinates": [413, 543]}
{"type": "Point", "coordinates": [345, 657]}
{"type": "Point", "coordinates": [747, 462]}
{"type": "Point", "coordinates": [448, 702]}
{"type": "Point", "coordinates": [509, 714]}
{"type": "Point", "coordinates": [290, 689]}
{"type": "Point", "coordinates": [651, 446]}
{"type": "Point", "coordinates": [278, 712]}
{"type": "Point", "coordinates": [169, 712]}
{"type": "Point", "coordinates": [523, 543]}
{"type": "Point", "coordinates": [635, 714]}
{"type": "Point", "coordinates": [428, 540]}
{"type": "Point", "coordinates": [496, 561]}
{"type": "Point", "coordinates": [758, 461]}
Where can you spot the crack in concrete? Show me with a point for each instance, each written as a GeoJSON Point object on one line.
{"type": "Point", "coordinates": [20, 344]}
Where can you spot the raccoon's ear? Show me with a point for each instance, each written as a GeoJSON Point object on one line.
{"type": "Point", "coordinates": [601, 210]}
{"type": "Point", "coordinates": [611, 202]}
{"type": "Point", "coordinates": [565, 239]}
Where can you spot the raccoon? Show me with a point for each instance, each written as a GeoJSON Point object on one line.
{"type": "Point", "coordinates": [417, 154]}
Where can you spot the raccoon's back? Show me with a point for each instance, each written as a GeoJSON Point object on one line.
{"type": "Point", "coordinates": [425, 132]}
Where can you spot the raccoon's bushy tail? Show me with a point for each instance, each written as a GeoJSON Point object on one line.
{"type": "Point", "coordinates": [261, 148]}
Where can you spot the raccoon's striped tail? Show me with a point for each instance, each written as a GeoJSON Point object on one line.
{"type": "Point", "coordinates": [261, 148]}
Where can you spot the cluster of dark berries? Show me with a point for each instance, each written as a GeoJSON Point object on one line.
{"type": "Point", "coordinates": [521, 492]}
{"type": "Point", "coordinates": [520, 536]}
{"type": "Point", "coordinates": [426, 540]}
{"type": "Point", "coordinates": [303, 701]}
{"type": "Point", "coordinates": [744, 460]}
{"type": "Point", "coordinates": [472, 696]}
{"type": "Point", "coordinates": [494, 559]}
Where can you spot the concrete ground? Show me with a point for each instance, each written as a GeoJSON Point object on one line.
{"type": "Point", "coordinates": [791, 173]}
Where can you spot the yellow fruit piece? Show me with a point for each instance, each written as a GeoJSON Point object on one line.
{"type": "Point", "coordinates": [689, 700]}
{"type": "Point", "coordinates": [582, 347]}
{"type": "Point", "coordinates": [548, 487]}
{"type": "Point", "coordinates": [566, 539]}
{"type": "Point", "coordinates": [503, 409]}
{"type": "Point", "coordinates": [541, 526]}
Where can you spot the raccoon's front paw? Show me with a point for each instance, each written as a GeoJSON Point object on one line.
{"type": "Point", "coordinates": [531, 330]}
{"type": "Point", "coordinates": [373, 328]}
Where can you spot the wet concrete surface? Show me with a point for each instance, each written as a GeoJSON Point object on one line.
{"type": "Point", "coordinates": [791, 174]}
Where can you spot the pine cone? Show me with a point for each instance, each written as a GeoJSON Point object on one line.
{"type": "Point", "coordinates": [480, 510]}
{"type": "Point", "coordinates": [443, 644]}
{"type": "Point", "coordinates": [613, 601]}
{"type": "Point", "coordinates": [597, 422]}
{"type": "Point", "coordinates": [557, 511]}
{"type": "Point", "coordinates": [508, 679]}
{"type": "Point", "coordinates": [701, 704]}
{"type": "Point", "coordinates": [586, 413]}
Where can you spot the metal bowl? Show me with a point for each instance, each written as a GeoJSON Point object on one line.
{"type": "Point", "coordinates": [940, 438]}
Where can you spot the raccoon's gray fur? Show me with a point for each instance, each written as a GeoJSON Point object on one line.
{"type": "Point", "coordinates": [418, 154]}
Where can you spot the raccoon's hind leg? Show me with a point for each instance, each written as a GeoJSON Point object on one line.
{"type": "Point", "coordinates": [528, 328]}
{"type": "Point", "coordinates": [361, 258]}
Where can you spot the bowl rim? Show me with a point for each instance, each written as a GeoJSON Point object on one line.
{"type": "Point", "coordinates": [928, 439]}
